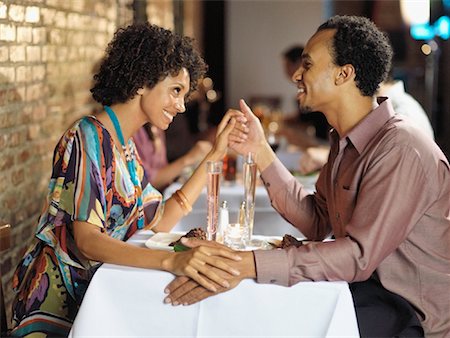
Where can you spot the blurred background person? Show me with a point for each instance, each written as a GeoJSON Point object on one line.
{"type": "Point", "coordinates": [404, 104]}
{"type": "Point", "coordinates": [151, 145]}
{"type": "Point", "coordinates": [303, 129]}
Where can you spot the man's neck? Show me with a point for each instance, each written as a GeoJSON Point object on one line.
{"type": "Point", "coordinates": [351, 112]}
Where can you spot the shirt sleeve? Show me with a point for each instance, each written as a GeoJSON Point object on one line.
{"type": "Point", "coordinates": [387, 208]}
{"type": "Point", "coordinates": [307, 212]}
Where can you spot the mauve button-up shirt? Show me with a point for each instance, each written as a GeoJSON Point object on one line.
{"type": "Point", "coordinates": [385, 195]}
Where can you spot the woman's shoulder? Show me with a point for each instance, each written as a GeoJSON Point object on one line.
{"type": "Point", "coordinates": [87, 134]}
{"type": "Point", "coordinates": [82, 125]}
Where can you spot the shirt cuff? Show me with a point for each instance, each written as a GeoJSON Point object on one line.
{"type": "Point", "coordinates": [272, 267]}
{"type": "Point", "coordinates": [276, 176]}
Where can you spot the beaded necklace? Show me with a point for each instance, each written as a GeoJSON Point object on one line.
{"type": "Point", "coordinates": [131, 164]}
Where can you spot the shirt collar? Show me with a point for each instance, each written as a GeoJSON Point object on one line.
{"type": "Point", "coordinates": [367, 128]}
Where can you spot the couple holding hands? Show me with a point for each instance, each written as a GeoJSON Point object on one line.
{"type": "Point", "coordinates": [99, 196]}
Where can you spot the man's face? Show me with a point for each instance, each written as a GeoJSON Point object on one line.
{"type": "Point", "coordinates": [315, 77]}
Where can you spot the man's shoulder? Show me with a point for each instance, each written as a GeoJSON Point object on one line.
{"type": "Point", "coordinates": [400, 135]}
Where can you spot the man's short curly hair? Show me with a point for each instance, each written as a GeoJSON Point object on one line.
{"type": "Point", "coordinates": [142, 55]}
{"type": "Point", "coordinates": [359, 42]}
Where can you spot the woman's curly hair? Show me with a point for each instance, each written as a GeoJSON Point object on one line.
{"type": "Point", "coordinates": [359, 42]}
{"type": "Point", "coordinates": [142, 55]}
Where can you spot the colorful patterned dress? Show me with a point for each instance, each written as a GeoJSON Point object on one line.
{"type": "Point", "coordinates": [90, 183]}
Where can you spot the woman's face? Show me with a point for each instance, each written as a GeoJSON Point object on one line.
{"type": "Point", "coordinates": [165, 100]}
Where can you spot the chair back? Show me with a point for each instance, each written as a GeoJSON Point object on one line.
{"type": "Point", "coordinates": [5, 243]}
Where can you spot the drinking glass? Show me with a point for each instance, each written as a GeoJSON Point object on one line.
{"type": "Point", "coordinates": [249, 176]}
{"type": "Point", "coordinates": [214, 171]}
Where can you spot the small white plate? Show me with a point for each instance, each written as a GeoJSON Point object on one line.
{"type": "Point", "coordinates": [161, 240]}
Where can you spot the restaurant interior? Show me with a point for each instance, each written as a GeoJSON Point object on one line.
{"type": "Point", "coordinates": [49, 50]}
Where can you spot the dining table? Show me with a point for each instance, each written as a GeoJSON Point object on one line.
{"type": "Point", "coordinates": [129, 302]}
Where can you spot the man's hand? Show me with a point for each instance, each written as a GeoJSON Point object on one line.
{"type": "Point", "coordinates": [183, 290]}
{"type": "Point", "coordinates": [255, 142]}
{"type": "Point", "coordinates": [199, 262]}
{"type": "Point", "coordinates": [255, 133]}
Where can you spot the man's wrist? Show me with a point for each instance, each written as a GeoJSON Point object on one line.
{"type": "Point", "coordinates": [265, 156]}
{"type": "Point", "coordinates": [247, 266]}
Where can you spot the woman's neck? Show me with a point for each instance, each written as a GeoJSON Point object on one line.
{"type": "Point", "coordinates": [128, 117]}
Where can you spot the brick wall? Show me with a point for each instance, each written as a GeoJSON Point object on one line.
{"type": "Point", "coordinates": [48, 49]}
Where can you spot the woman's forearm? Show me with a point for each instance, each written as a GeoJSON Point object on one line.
{"type": "Point", "coordinates": [100, 247]}
{"type": "Point", "coordinates": [166, 175]}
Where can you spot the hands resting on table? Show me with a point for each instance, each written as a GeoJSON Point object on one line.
{"type": "Point", "coordinates": [185, 291]}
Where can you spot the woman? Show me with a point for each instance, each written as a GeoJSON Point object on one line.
{"type": "Point", "coordinates": [98, 194]}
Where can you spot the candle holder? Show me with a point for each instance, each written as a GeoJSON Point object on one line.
{"type": "Point", "coordinates": [235, 236]}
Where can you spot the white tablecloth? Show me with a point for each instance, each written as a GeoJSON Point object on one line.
{"type": "Point", "coordinates": [128, 302]}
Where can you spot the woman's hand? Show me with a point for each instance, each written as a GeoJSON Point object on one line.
{"type": "Point", "coordinates": [183, 290]}
{"type": "Point", "coordinates": [198, 262]}
{"type": "Point", "coordinates": [232, 128]}
{"type": "Point", "coordinates": [255, 142]}
{"type": "Point", "coordinates": [255, 134]}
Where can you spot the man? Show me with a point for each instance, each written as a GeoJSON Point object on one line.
{"type": "Point", "coordinates": [384, 194]}
{"type": "Point", "coordinates": [403, 103]}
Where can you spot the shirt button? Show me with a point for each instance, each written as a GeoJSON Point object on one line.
{"type": "Point", "coordinates": [267, 184]}
{"type": "Point", "coordinates": [337, 215]}
{"type": "Point", "coordinates": [273, 281]}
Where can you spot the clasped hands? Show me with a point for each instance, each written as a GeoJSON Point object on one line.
{"type": "Point", "coordinates": [185, 291]}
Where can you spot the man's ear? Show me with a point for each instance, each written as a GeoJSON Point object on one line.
{"type": "Point", "coordinates": [140, 91]}
{"type": "Point", "coordinates": [345, 73]}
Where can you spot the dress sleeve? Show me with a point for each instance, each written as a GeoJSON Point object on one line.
{"type": "Point", "coordinates": [86, 176]}
{"type": "Point", "coordinates": [76, 190]}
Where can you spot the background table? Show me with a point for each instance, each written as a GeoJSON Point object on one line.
{"type": "Point", "coordinates": [124, 301]}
